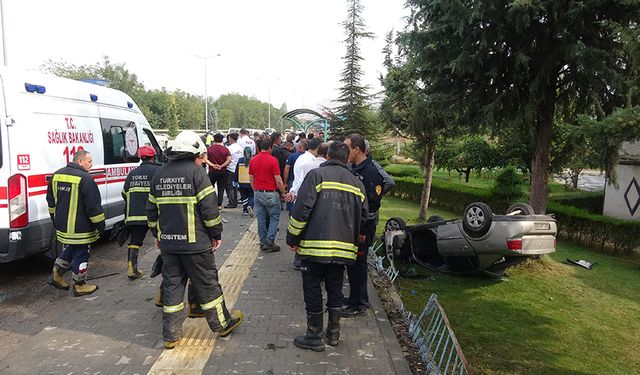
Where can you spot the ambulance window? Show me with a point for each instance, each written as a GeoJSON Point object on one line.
{"type": "Point", "coordinates": [120, 141]}
{"type": "Point", "coordinates": [148, 139]}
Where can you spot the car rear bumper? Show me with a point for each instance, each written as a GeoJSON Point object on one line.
{"type": "Point", "coordinates": [538, 244]}
{"type": "Point", "coordinates": [20, 243]}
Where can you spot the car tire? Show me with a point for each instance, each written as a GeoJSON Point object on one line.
{"type": "Point", "coordinates": [477, 219]}
{"type": "Point", "coordinates": [523, 208]}
{"type": "Point", "coordinates": [395, 223]}
{"type": "Point", "coordinates": [435, 219]}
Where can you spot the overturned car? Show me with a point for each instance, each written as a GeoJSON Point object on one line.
{"type": "Point", "coordinates": [479, 243]}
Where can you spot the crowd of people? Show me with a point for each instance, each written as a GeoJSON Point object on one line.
{"type": "Point", "coordinates": [330, 190]}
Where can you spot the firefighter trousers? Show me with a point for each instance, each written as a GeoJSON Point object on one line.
{"type": "Point", "coordinates": [313, 274]}
{"type": "Point", "coordinates": [207, 292]}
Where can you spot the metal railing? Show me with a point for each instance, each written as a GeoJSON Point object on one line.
{"type": "Point", "coordinates": [430, 331]}
{"type": "Point", "coordinates": [435, 340]}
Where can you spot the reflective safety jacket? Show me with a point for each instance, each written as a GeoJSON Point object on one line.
{"type": "Point", "coordinates": [74, 205]}
{"type": "Point", "coordinates": [136, 193]}
{"type": "Point", "coordinates": [182, 209]}
{"type": "Point", "coordinates": [330, 208]}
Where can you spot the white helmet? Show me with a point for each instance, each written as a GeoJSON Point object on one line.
{"type": "Point", "coordinates": [189, 142]}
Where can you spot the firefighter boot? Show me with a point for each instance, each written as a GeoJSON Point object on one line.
{"type": "Point", "coordinates": [158, 300]}
{"type": "Point", "coordinates": [195, 311]}
{"type": "Point", "coordinates": [80, 286]}
{"type": "Point", "coordinates": [313, 339]}
{"type": "Point", "coordinates": [83, 289]}
{"type": "Point", "coordinates": [333, 327]}
{"type": "Point", "coordinates": [236, 318]}
{"type": "Point", "coordinates": [132, 268]}
{"type": "Point", "coordinates": [56, 279]}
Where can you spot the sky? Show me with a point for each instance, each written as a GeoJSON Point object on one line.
{"type": "Point", "coordinates": [282, 51]}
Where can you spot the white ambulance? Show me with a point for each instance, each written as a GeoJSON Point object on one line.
{"type": "Point", "coordinates": [44, 121]}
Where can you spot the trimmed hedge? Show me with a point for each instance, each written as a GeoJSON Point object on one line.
{"type": "Point", "coordinates": [591, 202]}
{"type": "Point", "coordinates": [577, 224]}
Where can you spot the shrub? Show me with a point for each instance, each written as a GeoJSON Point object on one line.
{"type": "Point", "coordinates": [508, 185]}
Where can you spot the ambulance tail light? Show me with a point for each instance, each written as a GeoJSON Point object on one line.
{"type": "Point", "coordinates": [18, 206]}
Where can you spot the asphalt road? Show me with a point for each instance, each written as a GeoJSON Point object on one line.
{"type": "Point", "coordinates": [27, 303]}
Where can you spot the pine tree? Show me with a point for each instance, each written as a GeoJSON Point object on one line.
{"type": "Point", "coordinates": [173, 119]}
{"type": "Point", "coordinates": [353, 99]}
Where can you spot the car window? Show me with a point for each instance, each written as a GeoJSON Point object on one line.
{"type": "Point", "coordinates": [120, 141]}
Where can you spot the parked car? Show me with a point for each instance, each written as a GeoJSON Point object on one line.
{"type": "Point", "coordinates": [479, 243]}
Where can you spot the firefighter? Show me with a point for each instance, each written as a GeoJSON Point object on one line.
{"type": "Point", "coordinates": [74, 206]}
{"type": "Point", "coordinates": [136, 194]}
{"type": "Point", "coordinates": [326, 246]}
{"type": "Point", "coordinates": [364, 168]}
{"type": "Point", "coordinates": [182, 214]}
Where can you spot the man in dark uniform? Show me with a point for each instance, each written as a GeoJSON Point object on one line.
{"type": "Point", "coordinates": [136, 194]}
{"type": "Point", "coordinates": [325, 246]}
{"type": "Point", "coordinates": [74, 205]}
{"type": "Point", "coordinates": [366, 171]}
{"type": "Point", "coordinates": [183, 216]}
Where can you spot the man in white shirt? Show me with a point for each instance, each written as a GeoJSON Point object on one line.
{"type": "Point", "coordinates": [236, 153]}
{"type": "Point", "coordinates": [245, 141]}
{"type": "Point", "coordinates": [305, 163]}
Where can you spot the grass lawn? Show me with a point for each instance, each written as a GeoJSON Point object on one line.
{"type": "Point", "coordinates": [546, 317]}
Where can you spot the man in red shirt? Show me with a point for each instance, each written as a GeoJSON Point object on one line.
{"type": "Point", "coordinates": [264, 173]}
{"type": "Point", "coordinates": [218, 157]}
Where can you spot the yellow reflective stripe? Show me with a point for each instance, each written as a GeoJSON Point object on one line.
{"type": "Point", "coordinates": [221, 318]}
{"type": "Point", "coordinates": [68, 241]}
{"type": "Point", "coordinates": [327, 252]}
{"type": "Point", "coordinates": [191, 224]}
{"type": "Point", "coordinates": [152, 224]}
{"type": "Point", "coordinates": [328, 244]}
{"type": "Point", "coordinates": [141, 189]}
{"type": "Point", "coordinates": [297, 224]}
{"type": "Point", "coordinates": [135, 218]}
{"type": "Point", "coordinates": [71, 179]}
{"type": "Point", "coordinates": [152, 199]}
{"type": "Point", "coordinates": [212, 304]}
{"type": "Point", "coordinates": [76, 235]}
{"type": "Point", "coordinates": [133, 247]}
{"type": "Point", "coordinates": [340, 186]}
{"type": "Point", "coordinates": [54, 187]}
{"type": "Point", "coordinates": [293, 230]}
{"type": "Point", "coordinates": [174, 200]}
{"type": "Point", "coordinates": [214, 222]}
{"type": "Point", "coordinates": [52, 210]}
{"type": "Point", "coordinates": [204, 192]}
{"type": "Point", "coordinates": [173, 309]}
{"type": "Point", "coordinates": [97, 218]}
{"type": "Point", "coordinates": [128, 200]}
{"type": "Point", "coordinates": [73, 209]}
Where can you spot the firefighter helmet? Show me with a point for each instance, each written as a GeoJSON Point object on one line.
{"type": "Point", "coordinates": [188, 142]}
{"type": "Point", "coordinates": [146, 152]}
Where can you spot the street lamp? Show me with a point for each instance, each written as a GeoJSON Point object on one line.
{"type": "Point", "coordinates": [268, 97]}
{"type": "Point", "coordinates": [206, 98]}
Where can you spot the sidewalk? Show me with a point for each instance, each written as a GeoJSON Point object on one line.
{"type": "Point", "coordinates": [118, 330]}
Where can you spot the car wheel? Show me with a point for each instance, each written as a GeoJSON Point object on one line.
{"type": "Point", "coordinates": [395, 223]}
{"type": "Point", "coordinates": [435, 219]}
{"type": "Point", "coordinates": [521, 209]}
{"type": "Point", "coordinates": [477, 219]}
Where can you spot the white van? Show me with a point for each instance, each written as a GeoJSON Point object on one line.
{"type": "Point", "coordinates": [44, 121]}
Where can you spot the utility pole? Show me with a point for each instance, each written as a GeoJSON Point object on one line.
{"type": "Point", "coordinates": [269, 97]}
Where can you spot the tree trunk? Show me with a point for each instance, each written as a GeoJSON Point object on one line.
{"type": "Point", "coordinates": [542, 153]}
{"type": "Point", "coordinates": [575, 176]}
{"type": "Point", "coordinates": [467, 172]}
{"type": "Point", "coordinates": [428, 175]}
